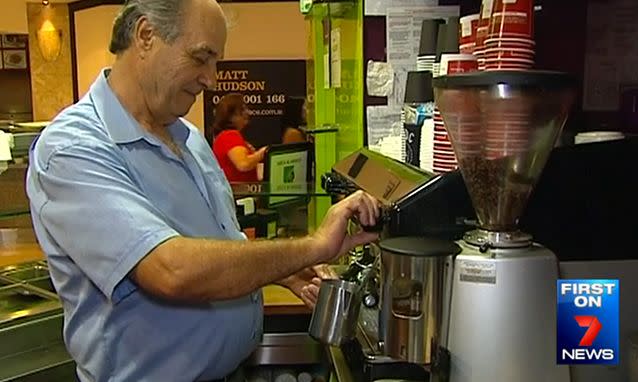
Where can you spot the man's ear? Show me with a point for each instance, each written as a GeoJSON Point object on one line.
{"type": "Point", "coordinates": [144, 35]}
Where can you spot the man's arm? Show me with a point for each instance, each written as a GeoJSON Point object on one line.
{"type": "Point", "coordinates": [125, 235]}
{"type": "Point", "coordinates": [200, 270]}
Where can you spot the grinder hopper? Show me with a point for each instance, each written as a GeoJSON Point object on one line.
{"type": "Point", "coordinates": [503, 125]}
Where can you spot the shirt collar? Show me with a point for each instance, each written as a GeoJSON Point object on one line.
{"type": "Point", "coordinates": [121, 126]}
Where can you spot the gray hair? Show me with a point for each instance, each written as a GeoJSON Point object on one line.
{"type": "Point", "coordinates": [164, 15]}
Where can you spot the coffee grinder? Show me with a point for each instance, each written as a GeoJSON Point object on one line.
{"type": "Point", "coordinates": [503, 125]}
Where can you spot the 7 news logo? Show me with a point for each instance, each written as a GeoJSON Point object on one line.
{"type": "Point", "coordinates": [587, 322]}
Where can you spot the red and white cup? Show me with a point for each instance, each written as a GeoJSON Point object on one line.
{"type": "Point", "coordinates": [457, 63]}
{"type": "Point", "coordinates": [467, 33]}
{"type": "Point", "coordinates": [508, 64]}
{"type": "Point", "coordinates": [467, 48]}
{"type": "Point", "coordinates": [509, 42]}
{"type": "Point", "coordinates": [482, 27]}
{"type": "Point", "coordinates": [512, 18]}
{"type": "Point", "coordinates": [509, 53]}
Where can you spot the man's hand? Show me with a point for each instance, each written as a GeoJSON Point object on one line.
{"type": "Point", "coordinates": [332, 238]}
{"type": "Point", "coordinates": [305, 284]}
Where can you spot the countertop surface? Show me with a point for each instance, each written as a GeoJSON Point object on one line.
{"type": "Point", "coordinates": [277, 299]}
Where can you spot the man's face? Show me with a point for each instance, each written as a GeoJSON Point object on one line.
{"type": "Point", "coordinates": [177, 72]}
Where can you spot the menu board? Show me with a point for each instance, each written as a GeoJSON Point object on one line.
{"type": "Point", "coordinates": [265, 86]}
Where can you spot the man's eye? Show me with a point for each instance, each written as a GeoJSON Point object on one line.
{"type": "Point", "coordinates": [199, 60]}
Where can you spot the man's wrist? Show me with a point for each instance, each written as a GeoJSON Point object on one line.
{"type": "Point", "coordinates": [315, 249]}
{"type": "Point", "coordinates": [286, 282]}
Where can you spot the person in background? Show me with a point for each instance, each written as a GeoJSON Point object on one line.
{"type": "Point", "coordinates": [293, 118]}
{"type": "Point", "coordinates": [138, 222]}
{"type": "Point", "coordinates": [237, 158]}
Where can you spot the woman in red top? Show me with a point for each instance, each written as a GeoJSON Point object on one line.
{"type": "Point", "coordinates": [236, 157]}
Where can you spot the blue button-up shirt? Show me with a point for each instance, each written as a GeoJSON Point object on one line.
{"type": "Point", "coordinates": [104, 192]}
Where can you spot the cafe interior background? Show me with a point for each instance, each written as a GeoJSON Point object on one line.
{"type": "Point", "coordinates": [52, 51]}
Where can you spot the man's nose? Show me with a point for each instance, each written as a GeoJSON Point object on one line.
{"type": "Point", "coordinates": [209, 76]}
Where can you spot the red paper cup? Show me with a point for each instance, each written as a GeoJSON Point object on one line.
{"type": "Point", "coordinates": [445, 164]}
{"type": "Point", "coordinates": [467, 48]}
{"type": "Point", "coordinates": [449, 157]}
{"type": "Point", "coordinates": [444, 152]}
{"type": "Point", "coordinates": [467, 29]}
{"type": "Point", "coordinates": [508, 45]}
{"type": "Point", "coordinates": [515, 53]}
{"type": "Point", "coordinates": [457, 63]}
{"type": "Point", "coordinates": [448, 150]}
{"type": "Point", "coordinates": [509, 41]}
{"type": "Point", "coordinates": [512, 18]}
{"type": "Point", "coordinates": [481, 35]}
{"type": "Point", "coordinates": [511, 63]}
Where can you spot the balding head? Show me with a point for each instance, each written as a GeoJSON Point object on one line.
{"type": "Point", "coordinates": [166, 16]}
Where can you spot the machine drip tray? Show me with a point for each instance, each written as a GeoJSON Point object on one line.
{"type": "Point", "coordinates": [367, 364]}
{"type": "Point", "coordinates": [366, 368]}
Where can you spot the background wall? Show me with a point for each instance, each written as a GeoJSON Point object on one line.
{"type": "Point", "coordinates": [265, 31]}
{"type": "Point", "coordinates": [51, 83]}
{"type": "Point", "coordinates": [92, 36]}
{"type": "Point", "coordinates": [256, 31]}
{"type": "Point", "coordinates": [13, 18]}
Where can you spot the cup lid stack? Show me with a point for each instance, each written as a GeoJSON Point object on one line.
{"type": "Point", "coordinates": [427, 45]}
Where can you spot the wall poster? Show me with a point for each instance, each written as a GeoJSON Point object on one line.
{"type": "Point", "coordinates": [265, 86]}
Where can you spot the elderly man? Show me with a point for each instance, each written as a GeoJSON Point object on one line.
{"type": "Point", "coordinates": [138, 222]}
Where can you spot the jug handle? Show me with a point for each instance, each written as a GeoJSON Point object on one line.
{"type": "Point", "coordinates": [406, 317]}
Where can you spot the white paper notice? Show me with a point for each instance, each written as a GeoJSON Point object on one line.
{"type": "Point", "coordinates": [403, 32]}
{"type": "Point", "coordinates": [326, 70]}
{"type": "Point", "coordinates": [379, 122]}
{"type": "Point", "coordinates": [335, 57]}
{"type": "Point", "coordinates": [399, 37]}
{"type": "Point", "coordinates": [379, 79]}
{"type": "Point", "coordinates": [380, 7]}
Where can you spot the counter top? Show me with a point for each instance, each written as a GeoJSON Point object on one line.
{"type": "Point", "coordinates": [20, 253]}
{"type": "Point", "coordinates": [277, 299]}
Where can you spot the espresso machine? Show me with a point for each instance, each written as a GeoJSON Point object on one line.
{"type": "Point", "coordinates": [423, 213]}
{"type": "Point", "coordinates": [495, 286]}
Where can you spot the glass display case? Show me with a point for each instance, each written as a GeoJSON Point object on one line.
{"type": "Point", "coordinates": [265, 210]}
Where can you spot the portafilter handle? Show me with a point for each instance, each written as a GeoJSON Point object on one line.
{"type": "Point", "coordinates": [378, 226]}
